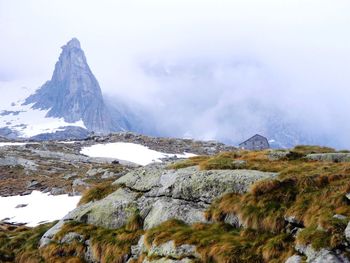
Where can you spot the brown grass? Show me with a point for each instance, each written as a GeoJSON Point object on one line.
{"type": "Point", "coordinates": [221, 243]}
{"type": "Point", "coordinates": [108, 245]}
{"type": "Point", "coordinates": [98, 192]}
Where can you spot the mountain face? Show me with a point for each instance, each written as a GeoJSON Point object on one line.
{"type": "Point", "coordinates": [73, 93]}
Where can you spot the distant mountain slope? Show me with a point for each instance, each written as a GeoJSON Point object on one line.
{"type": "Point", "coordinates": [69, 105]}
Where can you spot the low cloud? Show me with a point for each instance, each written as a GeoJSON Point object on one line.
{"type": "Point", "coordinates": [206, 69]}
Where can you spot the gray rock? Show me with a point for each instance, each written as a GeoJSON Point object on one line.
{"type": "Point", "coordinates": [164, 209]}
{"type": "Point", "coordinates": [294, 259]}
{"type": "Point", "coordinates": [159, 194]}
{"type": "Point", "coordinates": [138, 249]}
{"type": "Point", "coordinates": [108, 175]}
{"type": "Point", "coordinates": [340, 217]}
{"type": "Point", "coordinates": [14, 161]}
{"type": "Point", "coordinates": [170, 250]}
{"type": "Point", "coordinates": [190, 183]}
{"type": "Point", "coordinates": [293, 221]}
{"type": "Point", "coordinates": [32, 183]}
{"type": "Point", "coordinates": [70, 176]}
{"type": "Point", "coordinates": [239, 164]}
{"type": "Point", "coordinates": [233, 220]}
{"type": "Point", "coordinates": [58, 191]}
{"type": "Point", "coordinates": [70, 237]}
{"type": "Point", "coordinates": [93, 172]}
{"type": "Point", "coordinates": [79, 182]}
{"type": "Point", "coordinates": [143, 179]}
{"type": "Point", "coordinates": [347, 232]}
{"type": "Point", "coordinates": [329, 157]}
{"type": "Point", "coordinates": [320, 256]}
{"type": "Point", "coordinates": [347, 196]}
{"type": "Point", "coordinates": [21, 205]}
{"type": "Point", "coordinates": [49, 235]}
{"type": "Point", "coordinates": [275, 155]}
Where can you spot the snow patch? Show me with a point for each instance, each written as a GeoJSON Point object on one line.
{"type": "Point", "coordinates": [131, 152]}
{"type": "Point", "coordinates": [2, 144]}
{"type": "Point", "coordinates": [39, 207]}
{"type": "Point", "coordinates": [29, 122]}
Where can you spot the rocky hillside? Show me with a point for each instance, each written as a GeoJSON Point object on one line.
{"type": "Point", "coordinates": [238, 206]}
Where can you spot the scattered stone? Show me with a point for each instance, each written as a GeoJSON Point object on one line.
{"type": "Point", "coordinates": [21, 205]}
{"type": "Point", "coordinates": [72, 236]}
{"type": "Point", "coordinates": [79, 182]}
{"type": "Point", "coordinates": [28, 192]}
{"type": "Point", "coordinates": [233, 220]}
{"type": "Point", "coordinates": [294, 259]}
{"type": "Point", "coordinates": [239, 164]}
{"type": "Point", "coordinates": [320, 256]}
{"type": "Point", "coordinates": [108, 175]}
{"type": "Point", "coordinates": [93, 172]}
{"type": "Point", "coordinates": [32, 184]}
{"type": "Point", "coordinates": [347, 232]}
{"type": "Point", "coordinates": [58, 191]}
{"type": "Point", "coordinates": [340, 217]}
{"type": "Point", "coordinates": [70, 176]}
{"type": "Point", "coordinates": [276, 155]}
{"type": "Point", "coordinates": [170, 250]}
{"type": "Point", "coordinates": [329, 157]}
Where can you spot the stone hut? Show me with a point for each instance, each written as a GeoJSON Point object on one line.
{"type": "Point", "coordinates": [257, 142]}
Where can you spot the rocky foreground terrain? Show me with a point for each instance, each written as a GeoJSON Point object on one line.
{"type": "Point", "coordinates": [58, 166]}
{"type": "Point", "coordinates": [224, 205]}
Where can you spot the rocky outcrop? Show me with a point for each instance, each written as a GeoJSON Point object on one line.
{"type": "Point", "coordinates": [14, 161]}
{"type": "Point", "coordinates": [158, 194]}
{"type": "Point", "coordinates": [166, 145]}
{"type": "Point", "coordinates": [320, 256]}
{"type": "Point", "coordinates": [166, 252]}
{"type": "Point", "coordinates": [329, 157]}
{"type": "Point", "coordinates": [294, 259]}
{"type": "Point", "coordinates": [64, 133]}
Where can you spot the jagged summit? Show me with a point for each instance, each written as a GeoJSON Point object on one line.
{"type": "Point", "coordinates": [73, 93]}
{"type": "Point", "coordinates": [73, 43]}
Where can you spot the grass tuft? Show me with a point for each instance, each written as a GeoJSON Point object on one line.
{"type": "Point", "coordinates": [98, 192]}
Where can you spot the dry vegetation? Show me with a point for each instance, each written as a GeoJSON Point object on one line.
{"type": "Point", "coordinates": [106, 245]}
{"type": "Point", "coordinates": [98, 192]}
{"type": "Point", "coordinates": [222, 243]}
{"type": "Point", "coordinates": [312, 192]}
{"type": "Point", "coordinates": [20, 244]}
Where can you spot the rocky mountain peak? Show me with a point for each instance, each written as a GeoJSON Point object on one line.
{"type": "Point", "coordinates": [73, 93]}
{"type": "Point", "coordinates": [73, 43]}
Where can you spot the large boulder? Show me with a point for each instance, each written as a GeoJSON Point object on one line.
{"type": "Point", "coordinates": [158, 194]}
{"type": "Point", "coordinates": [320, 256]}
{"type": "Point", "coordinates": [329, 157]}
{"type": "Point", "coordinates": [191, 184]}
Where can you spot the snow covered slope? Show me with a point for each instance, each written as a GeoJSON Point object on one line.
{"type": "Point", "coordinates": [36, 208]}
{"type": "Point", "coordinates": [28, 122]}
{"type": "Point", "coordinates": [131, 152]}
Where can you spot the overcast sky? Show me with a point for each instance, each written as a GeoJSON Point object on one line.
{"type": "Point", "coordinates": [291, 55]}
